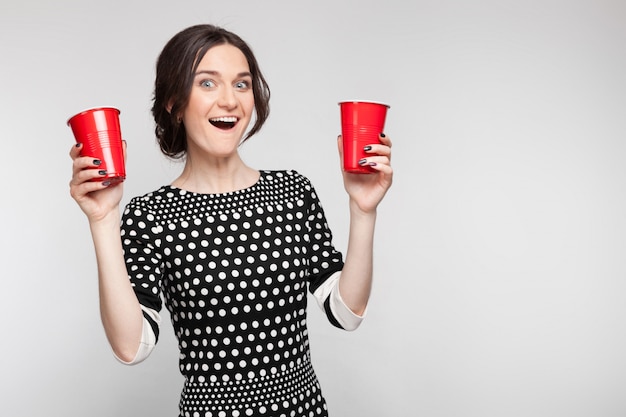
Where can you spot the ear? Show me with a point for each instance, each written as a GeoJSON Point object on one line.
{"type": "Point", "coordinates": [169, 106]}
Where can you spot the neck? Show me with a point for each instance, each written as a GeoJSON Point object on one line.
{"type": "Point", "coordinates": [217, 176]}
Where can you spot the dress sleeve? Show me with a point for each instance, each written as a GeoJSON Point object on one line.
{"type": "Point", "coordinates": [330, 301]}
{"type": "Point", "coordinates": [325, 265]}
{"type": "Point", "coordinates": [144, 261]}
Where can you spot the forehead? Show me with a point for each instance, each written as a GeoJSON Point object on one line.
{"type": "Point", "coordinates": [224, 58]}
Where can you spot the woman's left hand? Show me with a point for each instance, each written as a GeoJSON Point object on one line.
{"type": "Point", "coordinates": [366, 191]}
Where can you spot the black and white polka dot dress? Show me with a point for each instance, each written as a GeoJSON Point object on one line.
{"type": "Point", "coordinates": [233, 270]}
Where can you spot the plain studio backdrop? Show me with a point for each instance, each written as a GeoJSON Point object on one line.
{"type": "Point", "coordinates": [500, 249]}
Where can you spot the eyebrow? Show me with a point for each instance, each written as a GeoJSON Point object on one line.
{"type": "Point", "coordinates": [217, 73]}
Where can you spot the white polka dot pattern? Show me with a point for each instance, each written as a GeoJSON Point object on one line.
{"type": "Point", "coordinates": [233, 270]}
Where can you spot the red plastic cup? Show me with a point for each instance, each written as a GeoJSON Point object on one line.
{"type": "Point", "coordinates": [362, 122]}
{"type": "Point", "coordinates": [98, 129]}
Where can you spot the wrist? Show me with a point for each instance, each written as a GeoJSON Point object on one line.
{"type": "Point", "coordinates": [356, 211]}
{"type": "Point", "coordinates": [109, 220]}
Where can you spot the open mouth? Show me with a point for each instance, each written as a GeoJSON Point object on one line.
{"type": "Point", "coordinates": [224, 123]}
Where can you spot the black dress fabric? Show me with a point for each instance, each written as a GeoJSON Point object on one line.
{"type": "Point", "coordinates": [233, 270]}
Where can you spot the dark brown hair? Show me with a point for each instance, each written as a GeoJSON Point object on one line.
{"type": "Point", "coordinates": [175, 71]}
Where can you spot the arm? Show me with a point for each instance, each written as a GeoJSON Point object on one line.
{"type": "Point", "coordinates": [355, 283]}
{"type": "Point", "coordinates": [366, 191]}
{"type": "Point", "coordinates": [119, 309]}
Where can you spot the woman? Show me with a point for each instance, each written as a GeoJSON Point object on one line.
{"type": "Point", "coordinates": [231, 249]}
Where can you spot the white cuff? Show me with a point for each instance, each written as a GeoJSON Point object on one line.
{"type": "Point", "coordinates": [346, 318]}
{"type": "Point", "coordinates": [148, 339]}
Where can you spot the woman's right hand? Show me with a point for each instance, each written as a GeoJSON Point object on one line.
{"type": "Point", "coordinates": [97, 199]}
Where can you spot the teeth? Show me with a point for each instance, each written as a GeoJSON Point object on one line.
{"type": "Point", "coordinates": [224, 119]}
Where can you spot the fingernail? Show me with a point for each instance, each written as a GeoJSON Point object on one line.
{"type": "Point", "coordinates": [102, 172]}
{"type": "Point", "coordinates": [367, 148]}
{"type": "Point", "coordinates": [78, 145]}
{"type": "Point", "coordinates": [106, 183]}
{"type": "Point", "coordinates": [372, 164]}
{"type": "Point", "coordinates": [363, 161]}
{"type": "Point", "coordinates": [382, 135]}
{"type": "Point", "coordinates": [97, 162]}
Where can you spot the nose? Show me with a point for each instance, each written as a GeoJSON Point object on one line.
{"type": "Point", "coordinates": [227, 98]}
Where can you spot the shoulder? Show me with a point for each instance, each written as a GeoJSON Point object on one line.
{"type": "Point", "coordinates": [289, 185]}
{"type": "Point", "coordinates": [152, 201]}
{"type": "Point", "coordinates": [285, 178]}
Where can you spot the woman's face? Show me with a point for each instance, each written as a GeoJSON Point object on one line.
{"type": "Point", "coordinates": [221, 103]}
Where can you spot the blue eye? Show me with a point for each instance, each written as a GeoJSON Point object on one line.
{"type": "Point", "coordinates": [242, 85]}
{"type": "Point", "coordinates": [207, 83]}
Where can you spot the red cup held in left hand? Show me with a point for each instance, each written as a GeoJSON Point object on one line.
{"type": "Point", "coordinates": [361, 124]}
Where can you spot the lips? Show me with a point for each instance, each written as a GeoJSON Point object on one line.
{"type": "Point", "coordinates": [225, 123]}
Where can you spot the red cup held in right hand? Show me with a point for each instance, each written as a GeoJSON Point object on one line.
{"type": "Point", "coordinates": [99, 131]}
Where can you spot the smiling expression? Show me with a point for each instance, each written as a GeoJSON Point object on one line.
{"type": "Point", "coordinates": [220, 104]}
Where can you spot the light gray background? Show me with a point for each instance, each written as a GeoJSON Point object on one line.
{"type": "Point", "coordinates": [500, 251]}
